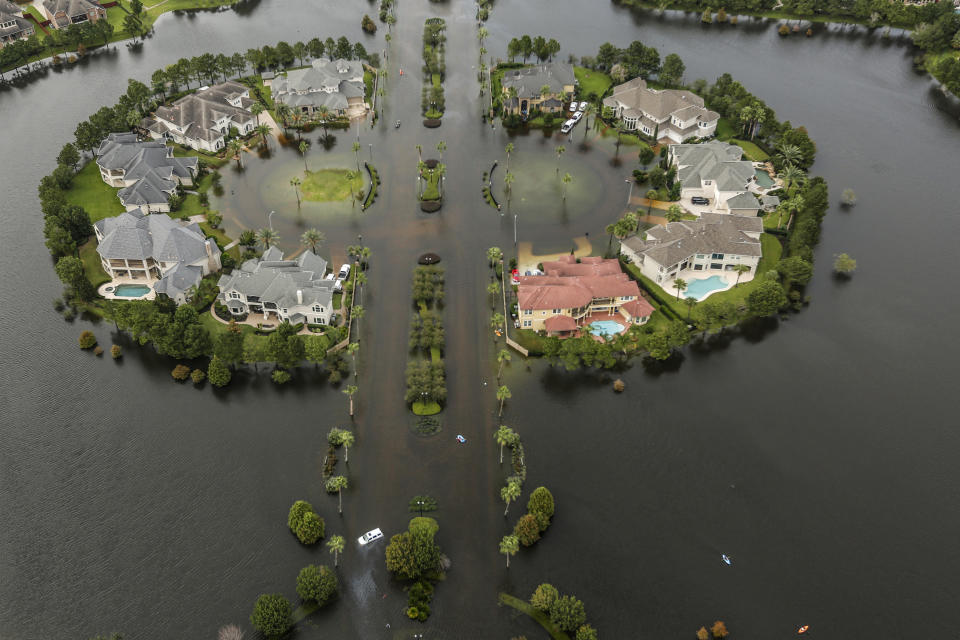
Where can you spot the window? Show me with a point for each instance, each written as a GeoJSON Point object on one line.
{"type": "Point", "coordinates": [235, 295]}
{"type": "Point", "coordinates": [526, 323]}
{"type": "Point", "coordinates": [716, 265]}
{"type": "Point", "coordinates": [717, 256]}
{"type": "Point", "coordinates": [556, 310]}
{"type": "Point", "coordinates": [698, 267]}
{"type": "Point", "coordinates": [528, 312]}
{"type": "Point", "coordinates": [700, 255]}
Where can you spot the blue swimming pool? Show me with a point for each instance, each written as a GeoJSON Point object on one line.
{"type": "Point", "coordinates": [606, 328]}
{"type": "Point", "coordinates": [763, 178]}
{"type": "Point", "coordinates": [131, 290]}
{"type": "Point", "coordinates": [700, 288]}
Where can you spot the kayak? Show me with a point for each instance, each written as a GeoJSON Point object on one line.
{"type": "Point", "coordinates": [461, 439]}
{"type": "Point", "coordinates": [726, 558]}
{"type": "Point", "coordinates": [803, 629]}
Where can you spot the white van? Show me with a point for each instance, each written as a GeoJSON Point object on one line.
{"type": "Point", "coordinates": [344, 271]}
{"type": "Point", "coordinates": [568, 126]}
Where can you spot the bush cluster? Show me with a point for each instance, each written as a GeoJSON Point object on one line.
{"type": "Point", "coordinates": [305, 523]}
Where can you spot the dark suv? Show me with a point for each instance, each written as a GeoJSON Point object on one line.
{"type": "Point", "coordinates": [699, 200]}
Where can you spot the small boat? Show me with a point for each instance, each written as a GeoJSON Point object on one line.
{"type": "Point", "coordinates": [803, 629]}
{"type": "Point", "coordinates": [461, 439]}
{"type": "Point", "coordinates": [726, 558]}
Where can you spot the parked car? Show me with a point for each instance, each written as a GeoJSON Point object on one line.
{"type": "Point", "coordinates": [330, 276]}
{"type": "Point", "coordinates": [582, 107]}
{"type": "Point", "coordinates": [567, 126]}
{"type": "Point", "coordinates": [338, 286]}
{"type": "Point", "coordinates": [700, 200]}
{"type": "Point", "coordinates": [344, 271]}
{"type": "Point", "coordinates": [515, 276]}
{"type": "Point", "coordinates": [576, 117]}
{"type": "Point", "coordinates": [370, 536]}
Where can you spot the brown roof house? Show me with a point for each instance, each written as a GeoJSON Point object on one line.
{"type": "Point", "coordinates": [571, 294]}
{"type": "Point", "coordinates": [203, 119]}
{"type": "Point", "coordinates": [667, 113]}
{"type": "Point", "coordinates": [13, 26]}
{"type": "Point", "coordinates": [63, 13]}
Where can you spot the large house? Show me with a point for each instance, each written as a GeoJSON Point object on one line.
{"type": "Point", "coordinates": [337, 85]}
{"type": "Point", "coordinates": [63, 13]}
{"type": "Point", "coordinates": [13, 26]}
{"type": "Point", "coordinates": [523, 89]}
{"type": "Point", "coordinates": [571, 294]}
{"type": "Point", "coordinates": [146, 172]}
{"type": "Point", "coordinates": [202, 120]}
{"type": "Point", "coordinates": [716, 170]}
{"type": "Point", "coordinates": [288, 290]}
{"type": "Point", "coordinates": [714, 243]}
{"type": "Point", "coordinates": [172, 255]}
{"type": "Point", "coordinates": [667, 113]}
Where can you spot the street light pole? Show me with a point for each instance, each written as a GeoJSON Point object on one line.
{"type": "Point", "coordinates": [629, 195]}
{"type": "Point", "coordinates": [270, 220]}
{"type": "Point", "coordinates": [514, 229]}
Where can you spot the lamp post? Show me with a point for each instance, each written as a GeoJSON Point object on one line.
{"type": "Point", "coordinates": [629, 195]}
{"type": "Point", "coordinates": [420, 507]}
{"type": "Point", "coordinates": [270, 219]}
{"type": "Point", "coordinates": [514, 228]}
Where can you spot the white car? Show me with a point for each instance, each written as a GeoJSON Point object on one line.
{"type": "Point", "coordinates": [344, 271]}
{"type": "Point", "coordinates": [338, 286]}
{"type": "Point", "coordinates": [331, 276]}
{"type": "Point", "coordinates": [582, 107]}
{"type": "Point", "coordinates": [576, 117]}
{"type": "Point", "coordinates": [567, 126]}
{"type": "Point", "coordinates": [370, 536]}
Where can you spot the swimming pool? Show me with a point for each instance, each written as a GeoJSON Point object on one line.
{"type": "Point", "coordinates": [700, 288]}
{"type": "Point", "coordinates": [763, 178]}
{"type": "Point", "coordinates": [606, 328]}
{"type": "Point", "coordinates": [131, 290]}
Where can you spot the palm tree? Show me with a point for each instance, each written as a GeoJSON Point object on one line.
{"type": "Point", "coordinates": [586, 118]}
{"type": "Point", "coordinates": [256, 109]}
{"type": "Point", "coordinates": [740, 269]}
{"type": "Point", "coordinates": [792, 176]}
{"type": "Point", "coordinates": [508, 183]}
{"type": "Point", "coordinates": [338, 484]}
{"type": "Point", "coordinates": [356, 152]}
{"type": "Point", "coordinates": [566, 179]}
{"type": "Point", "coordinates": [496, 321]}
{"type": "Point", "coordinates": [502, 394]}
{"type": "Point", "coordinates": [691, 303]}
{"type": "Point", "coordinates": [492, 290]}
{"type": "Point", "coordinates": [419, 153]}
{"type": "Point", "coordinates": [335, 545]}
{"type": "Point", "coordinates": [560, 149]}
{"type": "Point", "coordinates": [509, 546]}
{"type": "Point", "coordinates": [509, 150]}
{"type": "Point", "coordinates": [303, 146]}
{"type": "Point", "coordinates": [263, 130]}
{"type": "Point", "coordinates": [610, 228]}
{"type": "Point", "coordinates": [323, 111]}
{"type": "Point", "coordinates": [346, 439]}
{"type": "Point", "coordinates": [353, 347]}
{"type": "Point", "coordinates": [503, 356]}
{"type": "Point", "coordinates": [351, 389]}
{"type": "Point", "coordinates": [504, 436]}
{"type": "Point", "coordinates": [440, 171]}
{"type": "Point", "coordinates": [482, 33]}
{"type": "Point", "coordinates": [295, 182]}
{"type": "Point", "coordinates": [796, 204]}
{"type": "Point", "coordinates": [236, 150]}
{"type": "Point", "coordinates": [248, 238]}
{"type": "Point", "coordinates": [441, 147]}
{"type": "Point", "coordinates": [312, 238]}
{"type": "Point", "coordinates": [267, 237]}
{"type": "Point", "coordinates": [789, 152]}
{"type": "Point", "coordinates": [509, 493]}
{"type": "Point", "coordinates": [674, 213]}
{"type": "Point", "coordinates": [680, 285]}
{"type": "Point", "coordinates": [494, 255]}
{"type": "Point", "coordinates": [283, 112]}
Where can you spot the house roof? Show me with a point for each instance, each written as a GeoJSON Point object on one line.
{"type": "Point", "coordinates": [198, 112]}
{"type": "Point", "coordinates": [744, 200]}
{"type": "Point", "coordinates": [638, 308]}
{"type": "Point", "coordinates": [137, 159]}
{"type": "Point", "coordinates": [529, 80]}
{"type": "Point", "coordinates": [658, 105]}
{"type": "Point", "coordinates": [178, 280]}
{"type": "Point", "coordinates": [325, 82]}
{"type": "Point", "coordinates": [19, 26]}
{"type": "Point", "coordinates": [153, 188]}
{"type": "Point", "coordinates": [560, 323]}
{"type": "Point", "coordinates": [70, 8]}
{"type": "Point", "coordinates": [568, 284]}
{"type": "Point", "coordinates": [134, 235]}
{"type": "Point", "coordinates": [277, 281]}
{"type": "Point", "coordinates": [712, 233]}
{"type": "Point", "coordinates": [717, 161]}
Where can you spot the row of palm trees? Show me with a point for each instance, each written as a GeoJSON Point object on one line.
{"type": "Point", "coordinates": [792, 176]}
{"type": "Point", "coordinates": [267, 237]}
{"type": "Point", "coordinates": [509, 178]}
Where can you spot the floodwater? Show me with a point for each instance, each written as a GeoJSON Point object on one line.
{"type": "Point", "coordinates": [818, 456]}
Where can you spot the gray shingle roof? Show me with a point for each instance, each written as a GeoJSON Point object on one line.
{"type": "Point", "coordinates": [324, 82]}
{"type": "Point", "coordinates": [743, 201]}
{"type": "Point", "coordinates": [135, 236]}
{"type": "Point", "coordinates": [178, 280]}
{"type": "Point", "coordinates": [10, 12]}
{"type": "Point", "coordinates": [70, 8]}
{"type": "Point", "coordinates": [713, 233]}
{"type": "Point", "coordinates": [659, 104]}
{"type": "Point", "coordinates": [717, 161]}
{"type": "Point", "coordinates": [277, 281]}
{"type": "Point", "coordinates": [198, 112]}
{"type": "Point", "coordinates": [529, 80]}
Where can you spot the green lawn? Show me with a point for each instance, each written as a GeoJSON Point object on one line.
{"type": "Point", "coordinates": [367, 84]}
{"type": "Point", "coordinates": [542, 619]}
{"type": "Point", "coordinates": [93, 194]}
{"type": "Point", "coordinates": [751, 151]}
{"type": "Point", "coordinates": [329, 185]}
{"type": "Point", "coordinates": [592, 81]}
{"type": "Point", "coordinates": [91, 263]}
{"type": "Point", "coordinates": [426, 409]}
{"type": "Point", "coordinates": [212, 161]}
{"type": "Point", "coordinates": [725, 129]}
{"type": "Point", "coordinates": [218, 235]}
{"type": "Point", "coordinates": [432, 190]}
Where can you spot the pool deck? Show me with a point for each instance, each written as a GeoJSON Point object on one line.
{"type": "Point", "coordinates": [113, 284]}
{"type": "Point", "coordinates": [689, 275]}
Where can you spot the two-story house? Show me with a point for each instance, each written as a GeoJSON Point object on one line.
{"type": "Point", "coordinates": [284, 290]}
{"type": "Point", "coordinates": [571, 294]}
{"type": "Point", "coordinates": [170, 254]}
{"type": "Point", "coordinates": [202, 120]}
{"type": "Point", "coordinates": [666, 113]}
{"type": "Point", "coordinates": [63, 13]}
{"type": "Point", "coordinates": [337, 85]}
{"type": "Point", "coordinates": [544, 87]}
{"type": "Point", "coordinates": [716, 171]}
{"type": "Point", "coordinates": [713, 245]}
{"type": "Point", "coordinates": [147, 173]}
{"type": "Point", "coordinates": [13, 26]}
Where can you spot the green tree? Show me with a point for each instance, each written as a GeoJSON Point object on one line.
{"type": "Point", "coordinates": [766, 299]}
{"type": "Point", "coordinates": [69, 156]}
{"type": "Point", "coordinates": [544, 596]}
{"type": "Point", "coordinates": [503, 394]}
{"type": "Point", "coordinates": [691, 303]}
{"type": "Point", "coordinates": [505, 436]}
{"type": "Point", "coordinates": [566, 180]}
{"type": "Point", "coordinates": [541, 505]}
{"type": "Point", "coordinates": [560, 151]}
{"type": "Point", "coordinates": [411, 554]}
{"type": "Point", "coordinates": [680, 285]}
{"type": "Point", "coordinates": [587, 632]}
{"type": "Point", "coordinates": [335, 546]}
{"type": "Point", "coordinates": [494, 255]}
{"type": "Point", "coordinates": [527, 530]}
{"type": "Point", "coordinates": [509, 150]}
{"type": "Point", "coordinates": [317, 583]}
{"type": "Point", "coordinates": [843, 264]}
{"type": "Point", "coordinates": [218, 372]}
{"type": "Point", "coordinates": [87, 340]}
{"type": "Point", "coordinates": [503, 356]}
{"type": "Point", "coordinates": [337, 484]}
{"type": "Point", "coordinates": [285, 346]}
{"type": "Point", "coordinates": [235, 147]}
{"type": "Point", "coordinates": [493, 289]}
{"type": "Point", "coordinates": [272, 615]}
{"type": "Point", "coordinates": [673, 69]}
{"type": "Point", "coordinates": [674, 213]}
{"type": "Point", "coordinates": [312, 238]}
{"type": "Point", "coordinates": [71, 273]}
{"type": "Point", "coordinates": [795, 271]}
{"type": "Point", "coordinates": [350, 391]}
{"type": "Point", "coordinates": [59, 241]}
{"type": "Point", "coordinates": [509, 493]}
{"type": "Point", "coordinates": [509, 545]}
{"type": "Point", "coordinates": [740, 269]}
{"type": "Point", "coordinates": [229, 344]}
{"type": "Point", "coordinates": [568, 613]}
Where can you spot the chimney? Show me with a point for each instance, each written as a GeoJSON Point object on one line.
{"type": "Point", "coordinates": [206, 245]}
{"type": "Point", "coordinates": [299, 296]}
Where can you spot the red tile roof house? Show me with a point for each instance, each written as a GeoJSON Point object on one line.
{"type": "Point", "coordinates": [63, 13]}
{"type": "Point", "coordinates": [572, 294]}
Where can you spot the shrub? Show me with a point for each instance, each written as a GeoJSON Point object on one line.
{"type": "Point", "coordinates": [310, 528]}
{"type": "Point", "coordinates": [198, 376]}
{"type": "Point", "coordinates": [87, 340]}
{"type": "Point", "coordinates": [98, 351]}
{"type": "Point", "coordinates": [180, 372]}
{"type": "Point", "coordinates": [272, 615]}
{"type": "Point", "coordinates": [317, 583]}
{"type": "Point", "coordinates": [527, 530]}
{"type": "Point", "coordinates": [541, 501]}
{"type": "Point", "coordinates": [568, 613]}
{"type": "Point", "coordinates": [218, 372]}
{"type": "Point", "coordinates": [544, 597]}
{"type": "Point", "coordinates": [587, 632]}
{"type": "Point", "coordinates": [784, 30]}
{"type": "Point", "coordinates": [280, 376]}
{"type": "Point", "coordinates": [412, 613]}
{"type": "Point", "coordinates": [618, 385]}
{"type": "Point", "coordinates": [116, 352]}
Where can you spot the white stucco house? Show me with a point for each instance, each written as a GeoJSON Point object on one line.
{"type": "Point", "coordinates": [716, 171]}
{"type": "Point", "coordinates": [202, 120]}
{"type": "Point", "coordinates": [335, 84]}
{"type": "Point", "coordinates": [661, 113]}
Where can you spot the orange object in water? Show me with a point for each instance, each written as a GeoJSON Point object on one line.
{"type": "Point", "coordinates": [401, 71]}
{"type": "Point", "coordinates": [803, 629]}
